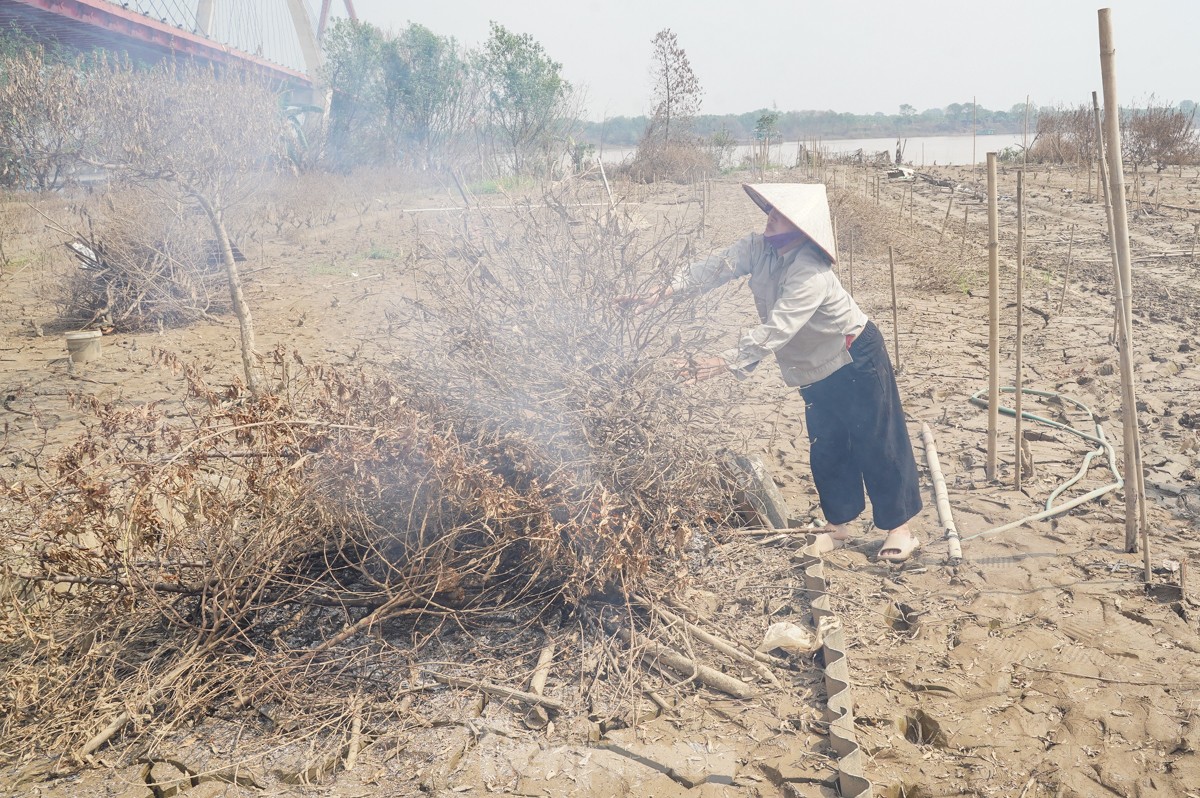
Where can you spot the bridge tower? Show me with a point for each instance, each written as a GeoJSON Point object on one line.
{"type": "Point", "coordinates": [308, 35]}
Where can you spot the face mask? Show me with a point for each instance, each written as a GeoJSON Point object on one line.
{"type": "Point", "coordinates": [781, 240]}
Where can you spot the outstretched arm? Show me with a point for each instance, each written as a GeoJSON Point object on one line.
{"type": "Point", "coordinates": [719, 268]}
{"type": "Point", "coordinates": [701, 276]}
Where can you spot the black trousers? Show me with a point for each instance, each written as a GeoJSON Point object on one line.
{"type": "Point", "coordinates": [857, 436]}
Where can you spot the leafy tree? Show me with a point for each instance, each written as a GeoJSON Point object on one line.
{"type": "Point", "coordinates": [527, 95]}
{"type": "Point", "coordinates": [353, 70]}
{"type": "Point", "coordinates": [676, 91]}
{"type": "Point", "coordinates": [721, 146]}
{"type": "Point", "coordinates": [429, 89]}
{"type": "Point", "coordinates": [765, 128]}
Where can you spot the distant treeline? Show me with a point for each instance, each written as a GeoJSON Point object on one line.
{"type": "Point", "coordinates": [954, 119]}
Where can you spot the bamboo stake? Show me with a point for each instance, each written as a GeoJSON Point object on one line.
{"type": "Point", "coordinates": [910, 206]}
{"type": "Point", "coordinates": [612, 203]}
{"type": "Point", "coordinates": [1018, 380]}
{"type": "Point", "coordinates": [939, 493]}
{"type": "Point", "coordinates": [1134, 487]}
{"type": "Point", "coordinates": [974, 159]}
{"type": "Point", "coordinates": [895, 313]}
{"type": "Point", "coordinates": [946, 220]}
{"type": "Point", "coordinates": [836, 260]}
{"type": "Point", "coordinates": [850, 267]}
{"type": "Point", "coordinates": [1067, 270]}
{"type": "Point", "coordinates": [1103, 187]}
{"type": "Point", "coordinates": [963, 249]}
{"type": "Point", "coordinates": [993, 318]}
{"type": "Point", "coordinates": [1025, 138]}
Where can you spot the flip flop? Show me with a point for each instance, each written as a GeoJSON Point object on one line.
{"type": "Point", "coordinates": [825, 542]}
{"type": "Point", "coordinates": [897, 549]}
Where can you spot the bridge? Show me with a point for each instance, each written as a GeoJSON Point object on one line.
{"type": "Point", "coordinates": [278, 39]}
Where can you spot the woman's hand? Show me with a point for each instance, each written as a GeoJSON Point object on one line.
{"type": "Point", "coordinates": [698, 369]}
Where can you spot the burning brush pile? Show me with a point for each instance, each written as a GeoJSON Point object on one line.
{"type": "Point", "coordinates": [529, 458]}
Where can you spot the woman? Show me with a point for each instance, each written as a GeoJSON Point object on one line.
{"type": "Point", "coordinates": [828, 348]}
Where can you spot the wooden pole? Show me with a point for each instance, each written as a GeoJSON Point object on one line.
{"type": "Point", "coordinates": [1103, 188]}
{"type": "Point", "coordinates": [1067, 271]}
{"type": "Point", "coordinates": [939, 494]}
{"type": "Point", "coordinates": [1025, 138]}
{"type": "Point", "coordinates": [974, 159]}
{"type": "Point", "coordinates": [1018, 380]}
{"type": "Point", "coordinates": [895, 312]}
{"type": "Point", "coordinates": [1116, 178]}
{"type": "Point", "coordinates": [963, 249]}
{"type": "Point", "coordinates": [1125, 291]}
{"type": "Point", "coordinates": [946, 220]}
{"type": "Point", "coordinates": [838, 261]}
{"type": "Point", "coordinates": [993, 318]}
{"type": "Point", "coordinates": [850, 267]}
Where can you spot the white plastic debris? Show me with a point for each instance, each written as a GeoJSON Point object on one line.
{"type": "Point", "coordinates": [790, 638]}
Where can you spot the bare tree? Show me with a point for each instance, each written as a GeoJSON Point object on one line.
{"type": "Point", "coordinates": [667, 148]}
{"type": "Point", "coordinates": [1064, 135]}
{"type": "Point", "coordinates": [1160, 135]}
{"type": "Point", "coordinates": [42, 117]}
{"type": "Point", "coordinates": [676, 92]}
{"type": "Point", "coordinates": [204, 136]}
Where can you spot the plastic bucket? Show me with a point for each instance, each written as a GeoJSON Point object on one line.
{"type": "Point", "coordinates": [83, 346]}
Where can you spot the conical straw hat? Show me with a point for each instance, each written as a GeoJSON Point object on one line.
{"type": "Point", "coordinates": [803, 204]}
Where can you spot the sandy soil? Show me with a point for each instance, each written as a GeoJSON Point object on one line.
{"type": "Point", "coordinates": [1039, 665]}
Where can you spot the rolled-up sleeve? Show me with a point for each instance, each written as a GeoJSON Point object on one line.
{"type": "Point", "coordinates": [800, 296]}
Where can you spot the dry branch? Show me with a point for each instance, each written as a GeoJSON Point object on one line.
{"type": "Point", "coordinates": [495, 689]}
{"type": "Point", "coordinates": [720, 644]}
{"type": "Point", "coordinates": [662, 657]}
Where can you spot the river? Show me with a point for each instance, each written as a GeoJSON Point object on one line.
{"type": "Point", "coordinates": [920, 151]}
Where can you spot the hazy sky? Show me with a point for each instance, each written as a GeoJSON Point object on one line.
{"type": "Point", "coordinates": [844, 55]}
